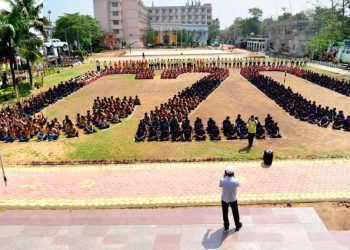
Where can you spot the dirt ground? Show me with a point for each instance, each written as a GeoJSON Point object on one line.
{"type": "Point", "coordinates": [335, 215]}
{"type": "Point", "coordinates": [234, 96]}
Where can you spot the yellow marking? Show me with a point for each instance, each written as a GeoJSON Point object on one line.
{"type": "Point", "coordinates": [88, 184]}
{"type": "Point", "coordinates": [34, 186]}
{"type": "Point", "coordinates": [177, 201]}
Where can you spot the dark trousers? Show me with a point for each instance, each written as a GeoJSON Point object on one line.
{"type": "Point", "coordinates": [251, 139]}
{"type": "Point", "coordinates": [234, 207]}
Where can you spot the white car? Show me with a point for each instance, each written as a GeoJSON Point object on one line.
{"type": "Point", "coordinates": [56, 43]}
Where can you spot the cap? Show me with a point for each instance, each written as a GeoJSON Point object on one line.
{"type": "Point", "coordinates": [229, 170]}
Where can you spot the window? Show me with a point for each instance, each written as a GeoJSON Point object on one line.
{"type": "Point", "coordinates": [115, 13]}
{"type": "Point", "coordinates": [114, 4]}
{"type": "Point", "coordinates": [116, 31]}
{"type": "Point", "coordinates": [116, 22]}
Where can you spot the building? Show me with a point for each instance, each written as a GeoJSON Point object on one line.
{"type": "Point", "coordinates": [129, 20]}
{"type": "Point", "coordinates": [169, 20]}
{"type": "Point", "coordinates": [290, 36]}
{"type": "Point", "coordinates": [122, 20]}
{"type": "Point", "coordinates": [256, 43]}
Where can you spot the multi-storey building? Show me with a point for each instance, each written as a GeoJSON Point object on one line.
{"type": "Point", "coordinates": [129, 20]}
{"type": "Point", "coordinates": [168, 20]}
{"type": "Point", "coordinates": [122, 20]}
{"type": "Point", "coordinates": [290, 36]}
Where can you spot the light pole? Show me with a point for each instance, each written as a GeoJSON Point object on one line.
{"type": "Point", "coordinates": [49, 12]}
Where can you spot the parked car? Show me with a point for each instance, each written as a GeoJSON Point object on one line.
{"type": "Point", "coordinates": [56, 43]}
{"type": "Point", "coordinates": [215, 44]}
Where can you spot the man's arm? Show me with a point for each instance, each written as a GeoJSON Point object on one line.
{"type": "Point", "coordinates": [220, 185]}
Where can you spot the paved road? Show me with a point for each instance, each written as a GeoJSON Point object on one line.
{"type": "Point", "coordinates": [182, 184]}
{"type": "Point", "coordinates": [182, 228]}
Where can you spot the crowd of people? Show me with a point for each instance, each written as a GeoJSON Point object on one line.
{"type": "Point", "coordinates": [170, 120]}
{"type": "Point", "coordinates": [295, 104]}
{"type": "Point", "coordinates": [182, 131]}
{"type": "Point", "coordinates": [174, 73]}
{"type": "Point", "coordinates": [192, 63]}
{"type": "Point", "coordinates": [239, 129]}
{"type": "Point", "coordinates": [22, 121]}
{"type": "Point", "coordinates": [340, 86]}
{"type": "Point", "coordinates": [106, 111]}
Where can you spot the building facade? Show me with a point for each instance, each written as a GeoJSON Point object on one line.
{"type": "Point", "coordinates": [122, 20]}
{"type": "Point", "coordinates": [129, 20]}
{"type": "Point", "coordinates": [290, 36]}
{"type": "Point", "coordinates": [169, 20]}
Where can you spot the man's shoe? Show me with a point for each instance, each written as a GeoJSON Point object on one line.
{"type": "Point", "coordinates": [226, 229]}
{"type": "Point", "coordinates": [238, 227]}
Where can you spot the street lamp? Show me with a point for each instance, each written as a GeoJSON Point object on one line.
{"type": "Point", "coordinates": [49, 12]}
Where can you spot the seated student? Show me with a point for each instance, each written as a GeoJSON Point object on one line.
{"type": "Point", "coordinates": [200, 134]}
{"type": "Point", "coordinates": [89, 128]}
{"type": "Point", "coordinates": [10, 136]}
{"type": "Point", "coordinates": [78, 121]}
{"type": "Point", "coordinates": [226, 125]}
{"type": "Point", "coordinates": [140, 134]}
{"type": "Point", "coordinates": [238, 121]}
{"type": "Point", "coordinates": [152, 134]}
{"type": "Point", "coordinates": [243, 131]}
{"type": "Point", "coordinates": [177, 134]}
{"type": "Point", "coordinates": [104, 124]}
{"type": "Point", "coordinates": [337, 124]}
{"type": "Point", "coordinates": [198, 123]}
{"type": "Point", "coordinates": [72, 132]}
{"type": "Point", "coordinates": [215, 133]}
{"type": "Point", "coordinates": [260, 133]}
{"type": "Point", "coordinates": [188, 133]}
{"type": "Point", "coordinates": [346, 124]}
{"type": "Point", "coordinates": [42, 136]}
{"type": "Point", "coordinates": [210, 125]}
{"type": "Point", "coordinates": [275, 132]}
{"type": "Point", "coordinates": [232, 133]}
{"type": "Point", "coordinates": [24, 135]}
{"type": "Point", "coordinates": [115, 118]}
{"type": "Point", "coordinates": [303, 115]}
{"type": "Point", "coordinates": [164, 134]}
{"type": "Point", "coordinates": [53, 133]}
{"type": "Point", "coordinates": [324, 122]}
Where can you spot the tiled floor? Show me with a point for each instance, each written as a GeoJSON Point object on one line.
{"type": "Point", "coordinates": [115, 186]}
{"type": "Point", "coordinates": [181, 228]}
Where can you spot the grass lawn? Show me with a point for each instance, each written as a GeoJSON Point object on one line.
{"type": "Point", "coordinates": [67, 74]}
{"type": "Point", "coordinates": [236, 95]}
{"type": "Point", "coordinates": [329, 73]}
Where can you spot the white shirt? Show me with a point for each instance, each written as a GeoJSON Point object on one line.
{"type": "Point", "coordinates": [229, 189]}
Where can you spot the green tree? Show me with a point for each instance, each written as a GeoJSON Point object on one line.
{"type": "Point", "coordinates": [255, 13]}
{"type": "Point", "coordinates": [213, 32]}
{"type": "Point", "coordinates": [83, 29]}
{"type": "Point", "coordinates": [29, 50]}
{"type": "Point", "coordinates": [151, 36]}
{"type": "Point", "coordinates": [23, 22]}
{"type": "Point", "coordinates": [183, 37]}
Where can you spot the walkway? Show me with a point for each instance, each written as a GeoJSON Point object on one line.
{"type": "Point", "coordinates": [334, 70]}
{"type": "Point", "coordinates": [182, 228]}
{"type": "Point", "coordinates": [181, 184]}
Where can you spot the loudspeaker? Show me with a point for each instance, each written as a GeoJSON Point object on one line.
{"type": "Point", "coordinates": [268, 157]}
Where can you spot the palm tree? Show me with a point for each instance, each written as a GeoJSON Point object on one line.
{"type": "Point", "coordinates": [29, 50]}
{"type": "Point", "coordinates": [7, 36]}
{"type": "Point", "coordinates": [25, 18]}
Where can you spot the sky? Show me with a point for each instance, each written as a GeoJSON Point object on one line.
{"type": "Point", "coordinates": [225, 10]}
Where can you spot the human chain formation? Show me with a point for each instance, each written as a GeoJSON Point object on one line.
{"type": "Point", "coordinates": [191, 63]}
{"type": "Point", "coordinates": [156, 126]}
{"type": "Point", "coordinates": [106, 111]}
{"type": "Point", "coordinates": [22, 120]}
{"type": "Point", "coordinates": [340, 86]}
{"type": "Point", "coordinates": [295, 104]}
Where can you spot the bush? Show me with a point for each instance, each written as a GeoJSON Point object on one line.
{"type": "Point", "coordinates": [98, 50]}
{"type": "Point", "coordinates": [336, 61]}
{"type": "Point", "coordinates": [80, 53]}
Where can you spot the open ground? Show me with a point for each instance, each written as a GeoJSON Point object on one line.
{"type": "Point", "coordinates": [234, 96]}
